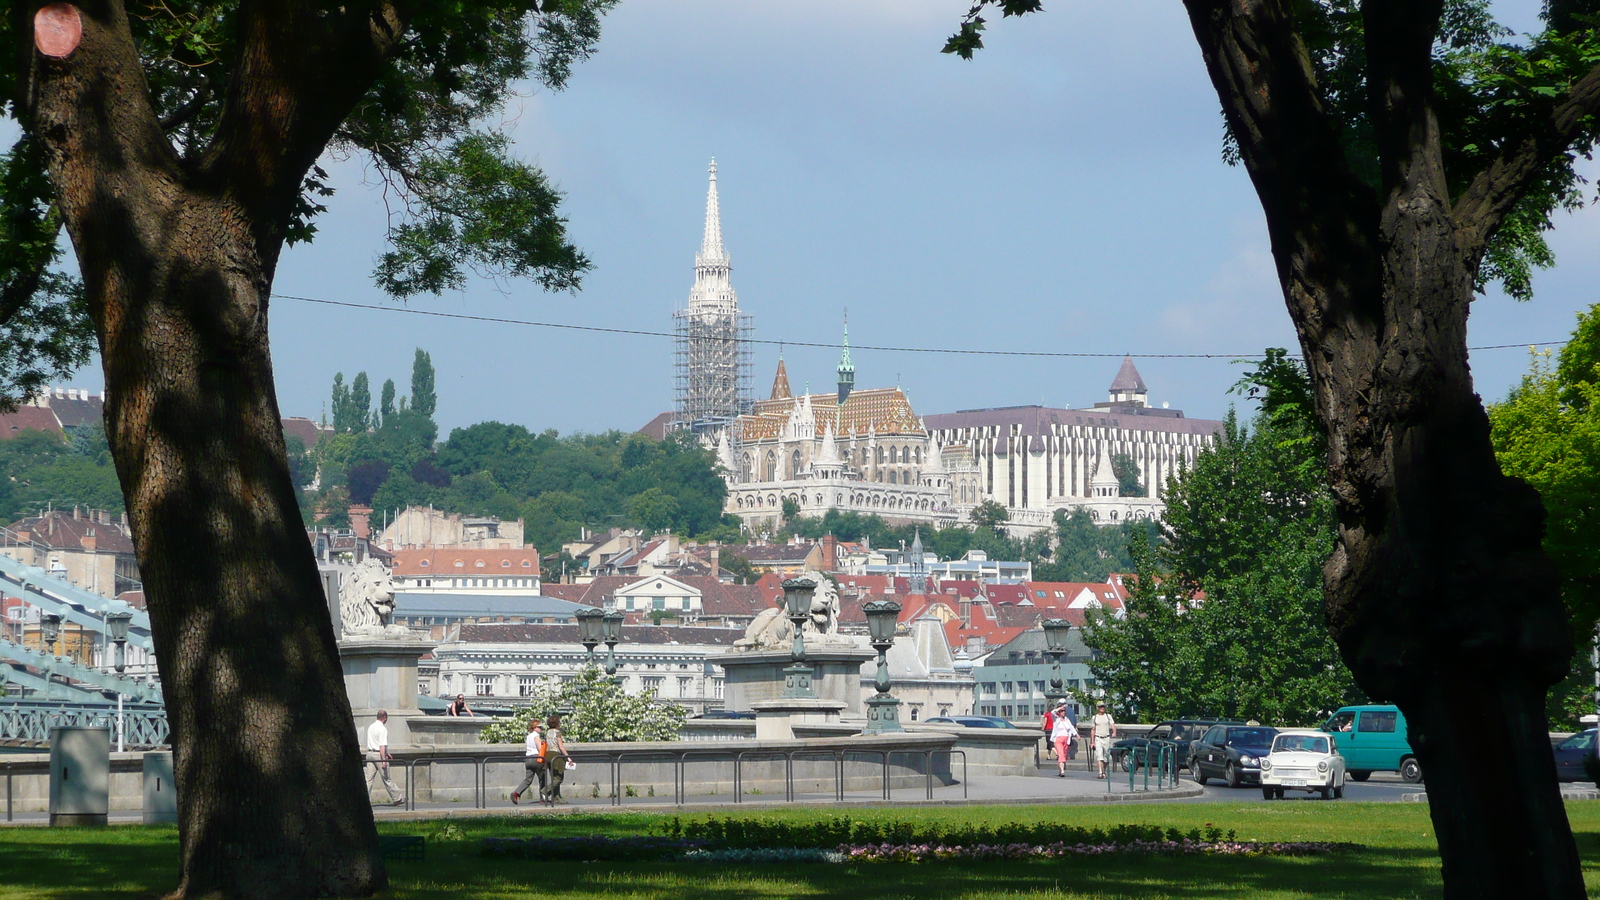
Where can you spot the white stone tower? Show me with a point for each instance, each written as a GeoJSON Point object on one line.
{"type": "Point", "coordinates": [712, 336]}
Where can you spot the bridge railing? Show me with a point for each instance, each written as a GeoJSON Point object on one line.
{"type": "Point", "coordinates": [24, 723]}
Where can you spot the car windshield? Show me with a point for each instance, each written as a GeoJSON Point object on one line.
{"type": "Point", "coordinates": [1581, 741]}
{"type": "Point", "coordinates": [1249, 737]}
{"type": "Point", "coordinates": [1300, 743]}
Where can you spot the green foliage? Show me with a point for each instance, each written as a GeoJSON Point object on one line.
{"type": "Point", "coordinates": [351, 404]}
{"type": "Point", "coordinates": [750, 832]}
{"type": "Point", "coordinates": [989, 514]}
{"type": "Point", "coordinates": [1547, 432]}
{"type": "Point", "coordinates": [1085, 551]}
{"type": "Point", "coordinates": [593, 710]}
{"type": "Point", "coordinates": [385, 403]}
{"type": "Point", "coordinates": [739, 567]}
{"type": "Point", "coordinates": [1226, 618]}
{"type": "Point", "coordinates": [423, 399]}
{"type": "Point", "coordinates": [791, 508]}
{"type": "Point", "coordinates": [39, 469]}
{"type": "Point", "coordinates": [945, 543]}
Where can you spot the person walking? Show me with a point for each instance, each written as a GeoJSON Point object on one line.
{"type": "Point", "coordinates": [533, 757]}
{"type": "Point", "coordinates": [1063, 731]}
{"type": "Point", "coordinates": [1105, 728]}
{"type": "Point", "coordinates": [378, 757]}
{"type": "Point", "coordinates": [557, 761]}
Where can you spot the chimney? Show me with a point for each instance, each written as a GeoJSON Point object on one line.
{"type": "Point", "coordinates": [830, 553]}
{"type": "Point", "coordinates": [966, 612]}
{"type": "Point", "coordinates": [716, 560]}
{"type": "Point", "coordinates": [90, 542]}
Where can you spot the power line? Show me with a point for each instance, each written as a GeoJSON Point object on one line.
{"type": "Point", "coordinates": [791, 343]}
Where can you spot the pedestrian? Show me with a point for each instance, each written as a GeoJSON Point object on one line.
{"type": "Point", "coordinates": [1062, 732]}
{"type": "Point", "coordinates": [459, 707]}
{"type": "Point", "coordinates": [1105, 728]}
{"type": "Point", "coordinates": [556, 760]}
{"type": "Point", "coordinates": [533, 757]}
{"type": "Point", "coordinates": [378, 757]}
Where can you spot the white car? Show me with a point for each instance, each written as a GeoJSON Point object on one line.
{"type": "Point", "coordinates": [1303, 760]}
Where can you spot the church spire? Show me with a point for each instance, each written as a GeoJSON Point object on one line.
{"type": "Point", "coordinates": [847, 369]}
{"type": "Point", "coordinates": [780, 382]}
{"type": "Point", "coordinates": [711, 248]}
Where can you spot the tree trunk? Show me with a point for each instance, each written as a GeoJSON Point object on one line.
{"type": "Point", "coordinates": [177, 267]}
{"type": "Point", "coordinates": [1438, 592]}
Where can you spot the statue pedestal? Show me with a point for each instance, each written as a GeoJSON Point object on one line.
{"type": "Point", "coordinates": [757, 676]}
{"type": "Point", "coordinates": [381, 673]}
{"type": "Point", "coordinates": [775, 719]}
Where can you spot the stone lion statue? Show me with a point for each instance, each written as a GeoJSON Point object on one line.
{"type": "Point", "coordinates": [772, 630]}
{"type": "Point", "coordinates": [366, 602]}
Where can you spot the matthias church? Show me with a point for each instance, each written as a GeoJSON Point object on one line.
{"type": "Point", "coordinates": [867, 450]}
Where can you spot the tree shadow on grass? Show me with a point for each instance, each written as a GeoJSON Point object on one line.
{"type": "Point", "coordinates": [85, 867]}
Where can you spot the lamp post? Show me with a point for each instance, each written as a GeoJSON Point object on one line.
{"type": "Point", "coordinates": [591, 629]}
{"type": "Point", "coordinates": [117, 631]}
{"type": "Point", "coordinates": [1055, 647]}
{"type": "Point", "coordinates": [797, 605]}
{"type": "Point", "coordinates": [50, 630]}
{"type": "Point", "coordinates": [883, 710]}
{"type": "Point", "coordinates": [611, 623]}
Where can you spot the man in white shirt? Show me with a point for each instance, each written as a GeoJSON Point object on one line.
{"type": "Point", "coordinates": [378, 757]}
{"type": "Point", "coordinates": [1105, 730]}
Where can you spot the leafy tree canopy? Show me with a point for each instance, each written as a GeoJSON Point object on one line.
{"type": "Point", "coordinates": [461, 202]}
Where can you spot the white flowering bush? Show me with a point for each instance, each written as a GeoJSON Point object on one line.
{"type": "Point", "coordinates": [593, 710]}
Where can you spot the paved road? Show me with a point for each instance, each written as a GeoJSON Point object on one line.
{"type": "Point", "coordinates": [1380, 787]}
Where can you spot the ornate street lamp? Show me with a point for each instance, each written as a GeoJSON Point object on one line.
{"type": "Point", "coordinates": [883, 710]}
{"type": "Point", "coordinates": [591, 629]}
{"type": "Point", "coordinates": [117, 631]}
{"type": "Point", "coordinates": [797, 605]}
{"type": "Point", "coordinates": [50, 630]}
{"type": "Point", "coordinates": [611, 626]}
{"type": "Point", "coordinates": [1055, 647]}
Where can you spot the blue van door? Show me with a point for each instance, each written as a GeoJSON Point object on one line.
{"type": "Point", "coordinates": [1382, 739]}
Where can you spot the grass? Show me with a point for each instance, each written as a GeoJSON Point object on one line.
{"type": "Point", "coordinates": [1399, 859]}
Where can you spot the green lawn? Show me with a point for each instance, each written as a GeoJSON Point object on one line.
{"type": "Point", "coordinates": [1399, 859]}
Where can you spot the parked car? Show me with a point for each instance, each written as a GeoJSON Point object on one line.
{"type": "Point", "coordinates": [1231, 752]}
{"type": "Point", "coordinates": [1182, 732]}
{"type": "Point", "coordinates": [1303, 760]}
{"type": "Point", "coordinates": [1571, 753]}
{"type": "Point", "coordinates": [724, 714]}
{"type": "Point", "coordinates": [971, 721]}
{"type": "Point", "coordinates": [1374, 739]}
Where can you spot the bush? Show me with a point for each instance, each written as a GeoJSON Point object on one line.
{"type": "Point", "coordinates": [593, 709]}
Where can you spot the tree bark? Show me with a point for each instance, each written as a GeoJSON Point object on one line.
{"type": "Point", "coordinates": [177, 261]}
{"type": "Point", "coordinates": [1438, 592]}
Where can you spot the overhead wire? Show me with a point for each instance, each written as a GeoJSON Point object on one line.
{"type": "Point", "coordinates": [599, 329]}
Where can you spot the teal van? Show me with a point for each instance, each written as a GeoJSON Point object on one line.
{"type": "Point", "coordinates": [1373, 739]}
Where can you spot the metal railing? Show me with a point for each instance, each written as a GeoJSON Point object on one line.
{"type": "Point", "coordinates": [681, 758]}
{"type": "Point", "coordinates": [23, 722]}
{"type": "Point", "coordinates": [1160, 757]}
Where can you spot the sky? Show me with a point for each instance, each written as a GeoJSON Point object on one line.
{"type": "Point", "coordinates": [1063, 192]}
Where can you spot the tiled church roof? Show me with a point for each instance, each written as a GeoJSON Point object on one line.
{"type": "Point", "coordinates": [886, 411]}
{"type": "Point", "coordinates": [1128, 379]}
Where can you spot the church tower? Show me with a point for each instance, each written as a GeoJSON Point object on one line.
{"type": "Point", "coordinates": [847, 369]}
{"type": "Point", "coordinates": [711, 336]}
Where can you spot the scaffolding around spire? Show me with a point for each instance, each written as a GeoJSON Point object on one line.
{"type": "Point", "coordinates": [711, 337]}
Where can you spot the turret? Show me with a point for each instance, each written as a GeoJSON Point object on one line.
{"type": "Point", "coordinates": [847, 369]}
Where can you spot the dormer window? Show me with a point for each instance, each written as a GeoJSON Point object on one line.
{"type": "Point", "coordinates": [423, 564]}
{"type": "Point", "coordinates": [526, 564]}
{"type": "Point", "coordinates": [480, 564]}
{"type": "Point", "coordinates": [460, 564]}
{"type": "Point", "coordinates": [505, 563]}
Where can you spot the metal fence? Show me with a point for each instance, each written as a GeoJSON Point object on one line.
{"type": "Point", "coordinates": [24, 723]}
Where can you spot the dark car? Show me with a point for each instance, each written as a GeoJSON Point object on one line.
{"type": "Point", "coordinates": [1232, 753]}
{"type": "Point", "coordinates": [724, 714]}
{"type": "Point", "coordinates": [1570, 754]}
{"type": "Point", "coordinates": [1182, 732]}
{"type": "Point", "coordinates": [971, 721]}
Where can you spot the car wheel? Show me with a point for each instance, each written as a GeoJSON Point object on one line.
{"type": "Point", "coordinates": [1358, 775]}
{"type": "Point", "coordinates": [1231, 774]}
{"type": "Point", "coordinates": [1411, 770]}
{"type": "Point", "coordinates": [1327, 793]}
{"type": "Point", "coordinates": [1266, 793]}
{"type": "Point", "coordinates": [1199, 773]}
{"type": "Point", "coordinates": [1338, 792]}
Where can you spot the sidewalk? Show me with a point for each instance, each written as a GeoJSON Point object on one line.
{"type": "Point", "coordinates": [1080, 786]}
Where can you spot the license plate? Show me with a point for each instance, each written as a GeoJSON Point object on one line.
{"type": "Point", "coordinates": [1295, 782]}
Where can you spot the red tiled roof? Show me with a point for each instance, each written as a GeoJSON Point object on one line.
{"type": "Point", "coordinates": [59, 530]}
{"type": "Point", "coordinates": [508, 633]}
{"type": "Point", "coordinates": [431, 561]}
{"type": "Point", "coordinates": [28, 418]}
{"type": "Point", "coordinates": [306, 430]}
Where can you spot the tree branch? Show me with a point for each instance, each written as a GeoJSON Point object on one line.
{"type": "Point", "coordinates": [1482, 208]}
{"type": "Point", "coordinates": [1399, 37]}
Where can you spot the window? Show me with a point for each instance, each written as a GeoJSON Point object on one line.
{"type": "Point", "coordinates": [658, 603]}
{"type": "Point", "coordinates": [1038, 688]}
{"type": "Point", "coordinates": [483, 685]}
{"type": "Point", "coordinates": [1381, 721]}
{"type": "Point", "coordinates": [526, 564]}
{"type": "Point", "coordinates": [986, 688]}
{"type": "Point", "coordinates": [526, 685]}
{"type": "Point", "coordinates": [424, 564]}
{"type": "Point", "coordinates": [1007, 689]}
{"type": "Point", "coordinates": [651, 682]}
{"type": "Point", "coordinates": [1005, 712]}
{"type": "Point", "coordinates": [685, 686]}
{"type": "Point", "coordinates": [505, 563]}
{"type": "Point", "coordinates": [944, 710]}
{"type": "Point", "coordinates": [716, 688]}
{"type": "Point", "coordinates": [914, 712]}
